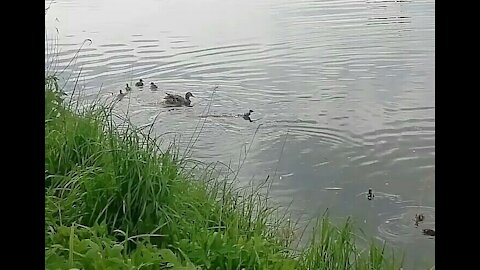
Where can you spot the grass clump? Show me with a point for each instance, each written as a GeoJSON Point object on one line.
{"type": "Point", "coordinates": [115, 200]}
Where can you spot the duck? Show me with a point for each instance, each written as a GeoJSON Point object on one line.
{"type": "Point", "coordinates": [153, 86]}
{"type": "Point", "coordinates": [370, 194]}
{"type": "Point", "coordinates": [429, 232]}
{"type": "Point", "coordinates": [177, 100]}
{"type": "Point", "coordinates": [139, 83]}
{"type": "Point", "coordinates": [128, 88]}
{"type": "Point", "coordinates": [419, 218]}
{"type": "Point", "coordinates": [121, 95]}
{"type": "Point", "coordinates": [246, 115]}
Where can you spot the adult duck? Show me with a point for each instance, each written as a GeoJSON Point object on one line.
{"type": "Point", "coordinates": [128, 88]}
{"type": "Point", "coordinates": [177, 100]}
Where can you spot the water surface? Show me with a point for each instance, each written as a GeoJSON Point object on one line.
{"type": "Point", "coordinates": [343, 92]}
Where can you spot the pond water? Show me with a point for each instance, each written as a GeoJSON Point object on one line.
{"type": "Point", "coordinates": [343, 94]}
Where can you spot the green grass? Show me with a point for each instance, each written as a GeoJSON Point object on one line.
{"type": "Point", "coordinates": [115, 200]}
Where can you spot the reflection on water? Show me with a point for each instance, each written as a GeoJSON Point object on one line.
{"type": "Point", "coordinates": [343, 92]}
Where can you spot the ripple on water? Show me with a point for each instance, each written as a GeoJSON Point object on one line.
{"type": "Point", "coordinates": [401, 227]}
{"type": "Point", "coordinates": [350, 81]}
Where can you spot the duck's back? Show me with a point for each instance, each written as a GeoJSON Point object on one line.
{"type": "Point", "coordinates": [175, 100]}
{"type": "Point", "coordinates": [173, 97]}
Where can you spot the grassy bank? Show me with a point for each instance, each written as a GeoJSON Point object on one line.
{"type": "Point", "coordinates": [115, 200]}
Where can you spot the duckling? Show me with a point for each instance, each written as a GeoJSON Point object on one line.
{"type": "Point", "coordinates": [429, 232]}
{"type": "Point", "coordinates": [153, 87]}
{"type": "Point", "coordinates": [177, 100]}
{"type": "Point", "coordinates": [121, 95]}
{"type": "Point", "coordinates": [139, 83]}
{"type": "Point", "coordinates": [419, 218]}
{"type": "Point", "coordinates": [370, 194]}
{"type": "Point", "coordinates": [246, 115]}
{"type": "Point", "coordinates": [128, 88]}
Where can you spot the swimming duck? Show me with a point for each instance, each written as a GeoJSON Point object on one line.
{"type": "Point", "coordinates": [177, 100]}
{"type": "Point", "coordinates": [153, 87]}
{"type": "Point", "coordinates": [121, 95]}
{"type": "Point", "coordinates": [419, 218]}
{"type": "Point", "coordinates": [429, 232]}
{"type": "Point", "coordinates": [246, 115]}
{"type": "Point", "coordinates": [139, 83]}
{"type": "Point", "coordinates": [370, 194]}
{"type": "Point", "coordinates": [128, 88]}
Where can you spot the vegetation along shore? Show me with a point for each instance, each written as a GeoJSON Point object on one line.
{"type": "Point", "coordinates": [116, 200]}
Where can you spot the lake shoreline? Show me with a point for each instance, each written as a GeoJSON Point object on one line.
{"type": "Point", "coordinates": [116, 200]}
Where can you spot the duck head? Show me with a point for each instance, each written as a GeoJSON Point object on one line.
{"type": "Point", "coordinates": [188, 95]}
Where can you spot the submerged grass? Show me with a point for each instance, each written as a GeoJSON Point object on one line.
{"type": "Point", "coordinates": [115, 200]}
